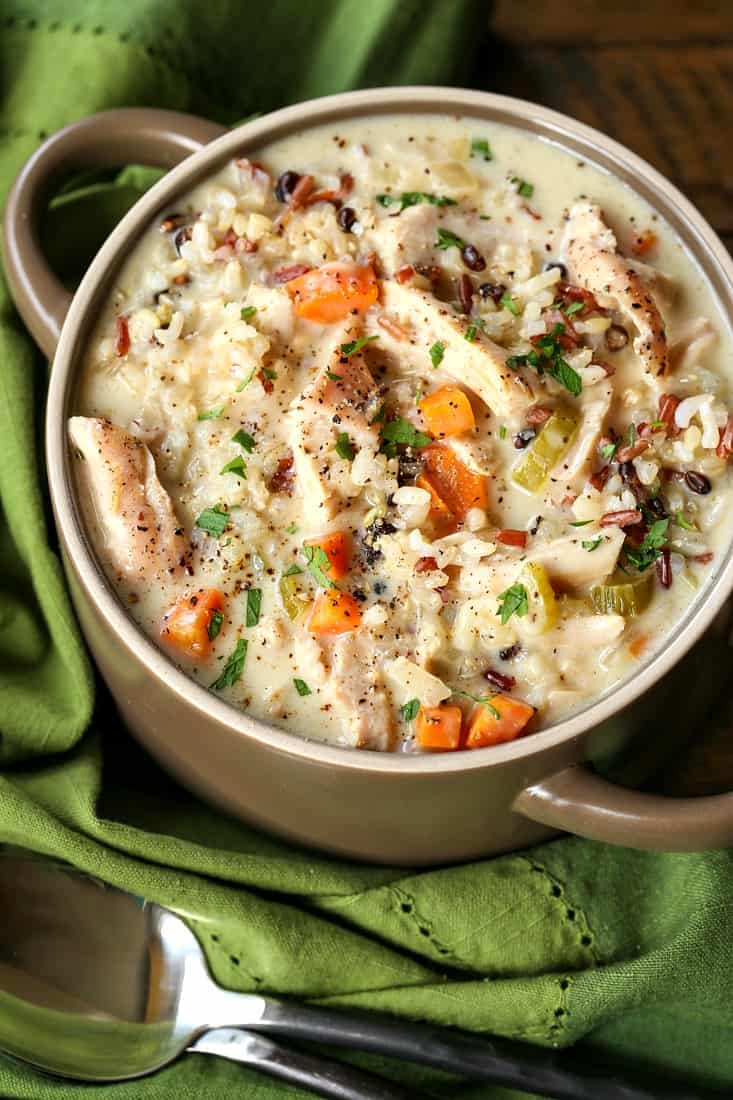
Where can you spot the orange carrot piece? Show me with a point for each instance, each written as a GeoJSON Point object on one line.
{"type": "Point", "coordinates": [186, 624]}
{"type": "Point", "coordinates": [447, 412]}
{"type": "Point", "coordinates": [484, 728]}
{"type": "Point", "coordinates": [337, 548]}
{"type": "Point", "coordinates": [440, 514]}
{"type": "Point", "coordinates": [644, 242]}
{"type": "Point", "coordinates": [458, 487]}
{"type": "Point", "coordinates": [509, 536]}
{"type": "Point", "coordinates": [334, 613]}
{"type": "Point", "coordinates": [638, 645]}
{"type": "Point", "coordinates": [334, 292]}
{"type": "Point", "coordinates": [439, 727]}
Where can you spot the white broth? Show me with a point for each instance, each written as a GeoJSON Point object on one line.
{"type": "Point", "coordinates": [411, 434]}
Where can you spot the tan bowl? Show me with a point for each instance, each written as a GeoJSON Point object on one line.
{"type": "Point", "coordinates": [396, 809]}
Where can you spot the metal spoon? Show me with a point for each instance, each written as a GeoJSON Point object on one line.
{"type": "Point", "coordinates": [98, 985]}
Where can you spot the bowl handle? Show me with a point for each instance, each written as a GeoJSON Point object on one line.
{"type": "Point", "coordinates": [130, 135]}
{"type": "Point", "coordinates": [577, 800]}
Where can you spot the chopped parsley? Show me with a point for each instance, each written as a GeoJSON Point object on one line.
{"type": "Point", "coordinates": [344, 448]}
{"type": "Point", "coordinates": [379, 414]}
{"type": "Point", "coordinates": [248, 313]}
{"type": "Point", "coordinates": [632, 434]}
{"type": "Point", "coordinates": [254, 602]}
{"type": "Point", "coordinates": [212, 414]}
{"type": "Point", "coordinates": [574, 307]}
{"type": "Point", "coordinates": [513, 601]}
{"type": "Point", "coordinates": [592, 544]}
{"type": "Point", "coordinates": [301, 687]}
{"type": "Point", "coordinates": [413, 198]}
{"type": "Point", "coordinates": [547, 358]}
{"type": "Point", "coordinates": [233, 668]}
{"type": "Point", "coordinates": [214, 624]}
{"type": "Point", "coordinates": [409, 710]}
{"type": "Point", "coordinates": [271, 375]}
{"type": "Point", "coordinates": [292, 528]}
{"type": "Point", "coordinates": [608, 450]}
{"type": "Point", "coordinates": [237, 466]}
{"type": "Point", "coordinates": [526, 190]}
{"type": "Point", "coordinates": [484, 700]}
{"type": "Point", "coordinates": [508, 302]}
{"type": "Point", "coordinates": [319, 564]}
{"type": "Point", "coordinates": [581, 522]}
{"type": "Point", "coordinates": [244, 439]}
{"type": "Point", "coordinates": [684, 523]}
{"type": "Point", "coordinates": [246, 381]}
{"type": "Point", "coordinates": [481, 148]}
{"type": "Point", "coordinates": [447, 240]}
{"type": "Point", "coordinates": [470, 333]}
{"type": "Point", "coordinates": [292, 570]}
{"type": "Point", "coordinates": [437, 352]}
{"type": "Point", "coordinates": [214, 521]}
{"type": "Point", "coordinates": [356, 345]}
{"type": "Point", "coordinates": [401, 433]}
{"type": "Point", "coordinates": [334, 377]}
{"type": "Point", "coordinates": [651, 548]}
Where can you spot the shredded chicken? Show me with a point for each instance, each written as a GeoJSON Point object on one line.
{"type": "Point", "coordinates": [594, 263]}
{"type": "Point", "coordinates": [142, 536]}
{"type": "Point", "coordinates": [479, 364]}
{"type": "Point", "coordinates": [571, 474]}
{"type": "Point", "coordinates": [357, 690]}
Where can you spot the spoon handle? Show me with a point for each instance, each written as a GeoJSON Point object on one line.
{"type": "Point", "coordinates": [331, 1079]}
{"type": "Point", "coordinates": [500, 1061]}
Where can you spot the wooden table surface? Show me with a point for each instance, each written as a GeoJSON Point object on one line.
{"type": "Point", "coordinates": [658, 77]}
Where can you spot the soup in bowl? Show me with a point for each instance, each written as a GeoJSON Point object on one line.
{"type": "Point", "coordinates": [407, 434]}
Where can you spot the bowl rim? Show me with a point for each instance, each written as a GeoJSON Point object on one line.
{"type": "Point", "coordinates": [562, 130]}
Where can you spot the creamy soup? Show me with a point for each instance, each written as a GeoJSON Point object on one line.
{"type": "Point", "coordinates": [409, 434]}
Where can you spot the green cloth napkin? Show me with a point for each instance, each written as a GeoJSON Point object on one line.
{"type": "Point", "coordinates": [629, 952]}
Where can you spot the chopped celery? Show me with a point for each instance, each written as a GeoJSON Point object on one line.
{"type": "Point", "coordinates": [543, 607]}
{"type": "Point", "coordinates": [291, 595]}
{"type": "Point", "coordinates": [551, 444]}
{"type": "Point", "coordinates": [626, 594]}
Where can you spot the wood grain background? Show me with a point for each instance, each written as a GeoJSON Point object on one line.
{"type": "Point", "coordinates": [657, 76]}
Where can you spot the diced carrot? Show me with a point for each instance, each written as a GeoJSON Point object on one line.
{"type": "Point", "coordinates": [638, 645]}
{"type": "Point", "coordinates": [337, 548]}
{"type": "Point", "coordinates": [186, 624]}
{"type": "Point", "coordinates": [334, 613]}
{"type": "Point", "coordinates": [447, 412]}
{"type": "Point", "coordinates": [440, 514]}
{"type": "Point", "coordinates": [332, 293]}
{"type": "Point", "coordinates": [484, 728]}
{"type": "Point", "coordinates": [644, 242]}
{"type": "Point", "coordinates": [509, 537]}
{"type": "Point", "coordinates": [438, 727]}
{"type": "Point", "coordinates": [458, 487]}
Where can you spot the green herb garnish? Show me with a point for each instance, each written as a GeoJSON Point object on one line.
{"type": "Point", "coordinates": [593, 544]}
{"type": "Point", "coordinates": [214, 624]}
{"type": "Point", "coordinates": [651, 548]}
{"type": "Point", "coordinates": [292, 528]}
{"type": "Point", "coordinates": [547, 358]}
{"type": "Point", "coordinates": [319, 564]}
{"type": "Point", "coordinates": [401, 433]}
{"type": "Point", "coordinates": [254, 602]}
{"type": "Point", "coordinates": [233, 668]}
{"type": "Point", "coordinates": [292, 570]}
{"type": "Point", "coordinates": [236, 466]}
{"type": "Point", "coordinates": [581, 522]}
{"type": "Point", "coordinates": [525, 189]}
{"type": "Point", "coordinates": [470, 333]}
{"type": "Point", "coordinates": [246, 381]}
{"type": "Point", "coordinates": [574, 307]}
{"type": "Point", "coordinates": [244, 439]}
{"type": "Point", "coordinates": [356, 345]}
{"type": "Point", "coordinates": [214, 521]}
{"type": "Point", "coordinates": [502, 432]}
{"type": "Point", "coordinates": [683, 523]}
{"type": "Point", "coordinates": [608, 450]}
{"type": "Point", "coordinates": [409, 710]}
{"type": "Point", "coordinates": [437, 352]}
{"type": "Point", "coordinates": [248, 312]}
{"type": "Point", "coordinates": [301, 687]}
{"type": "Point", "coordinates": [343, 447]}
{"type": "Point", "coordinates": [513, 601]}
{"type": "Point", "coordinates": [271, 375]}
{"type": "Point", "coordinates": [212, 414]}
{"type": "Point", "coordinates": [484, 700]}
{"type": "Point", "coordinates": [413, 198]}
{"type": "Point", "coordinates": [508, 302]}
{"type": "Point", "coordinates": [334, 377]}
{"type": "Point", "coordinates": [481, 148]}
{"type": "Point", "coordinates": [447, 240]}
